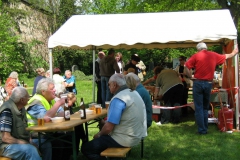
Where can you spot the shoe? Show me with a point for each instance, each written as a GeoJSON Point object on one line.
{"type": "Point", "coordinates": [201, 133]}
{"type": "Point", "coordinates": [159, 123]}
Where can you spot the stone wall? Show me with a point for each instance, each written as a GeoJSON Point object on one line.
{"type": "Point", "coordinates": [34, 26]}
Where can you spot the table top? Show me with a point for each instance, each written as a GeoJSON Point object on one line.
{"type": "Point", "coordinates": [74, 121]}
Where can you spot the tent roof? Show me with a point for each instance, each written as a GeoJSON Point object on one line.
{"type": "Point", "coordinates": [145, 30]}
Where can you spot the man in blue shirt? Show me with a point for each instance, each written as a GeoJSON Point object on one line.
{"type": "Point", "coordinates": [126, 123]}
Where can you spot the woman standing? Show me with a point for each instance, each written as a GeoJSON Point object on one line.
{"type": "Point", "coordinates": [11, 83]}
{"type": "Point", "coordinates": [120, 62]}
{"type": "Point", "coordinates": [185, 76]}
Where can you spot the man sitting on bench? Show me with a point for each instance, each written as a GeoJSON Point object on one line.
{"type": "Point", "coordinates": [126, 123]}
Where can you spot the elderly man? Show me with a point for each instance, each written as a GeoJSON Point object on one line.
{"type": "Point", "coordinates": [204, 62]}
{"type": "Point", "coordinates": [126, 123]}
{"type": "Point", "coordinates": [98, 77]}
{"type": "Point", "coordinates": [42, 104]}
{"type": "Point", "coordinates": [14, 139]}
{"type": "Point", "coordinates": [143, 93]}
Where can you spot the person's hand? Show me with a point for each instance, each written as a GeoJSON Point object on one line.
{"type": "Point", "coordinates": [20, 141]}
{"type": "Point", "coordinates": [235, 50]}
{"type": "Point", "coordinates": [62, 101]}
{"type": "Point", "coordinates": [96, 135]}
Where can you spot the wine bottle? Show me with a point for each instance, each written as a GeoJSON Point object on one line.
{"type": "Point", "coordinates": [66, 111]}
{"type": "Point", "coordinates": [82, 109]}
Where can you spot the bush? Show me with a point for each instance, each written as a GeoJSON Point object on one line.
{"type": "Point", "coordinates": [79, 75]}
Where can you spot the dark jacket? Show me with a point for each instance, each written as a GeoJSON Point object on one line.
{"type": "Point", "coordinates": [97, 70]}
{"type": "Point", "coordinates": [108, 66]}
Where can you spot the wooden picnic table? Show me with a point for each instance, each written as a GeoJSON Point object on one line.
{"type": "Point", "coordinates": [74, 121]}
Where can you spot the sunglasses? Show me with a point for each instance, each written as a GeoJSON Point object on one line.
{"type": "Point", "coordinates": [180, 59]}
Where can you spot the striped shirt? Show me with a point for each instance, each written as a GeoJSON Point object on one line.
{"type": "Point", "coordinates": [6, 120]}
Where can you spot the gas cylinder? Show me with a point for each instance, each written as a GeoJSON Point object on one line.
{"type": "Point", "coordinates": [225, 119]}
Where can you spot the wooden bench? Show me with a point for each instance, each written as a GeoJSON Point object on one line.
{"type": "Point", "coordinates": [115, 152]}
{"type": "Point", "coordinates": [4, 158]}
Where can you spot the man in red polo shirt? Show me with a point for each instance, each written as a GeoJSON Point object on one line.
{"type": "Point", "coordinates": [204, 62]}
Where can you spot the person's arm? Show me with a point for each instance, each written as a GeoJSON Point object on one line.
{"type": "Point", "coordinates": [52, 112]}
{"type": "Point", "coordinates": [186, 72]}
{"type": "Point", "coordinates": [234, 52]}
{"type": "Point", "coordinates": [107, 128]}
{"type": "Point", "coordinates": [97, 70]}
{"type": "Point", "coordinates": [116, 108]}
{"type": "Point", "coordinates": [71, 82]}
{"type": "Point", "coordinates": [7, 138]}
{"type": "Point", "coordinates": [149, 81]}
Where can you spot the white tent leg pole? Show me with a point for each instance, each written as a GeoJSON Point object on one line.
{"type": "Point", "coordinates": [50, 62]}
{"type": "Point", "coordinates": [93, 88]}
{"type": "Point", "coordinates": [237, 85]}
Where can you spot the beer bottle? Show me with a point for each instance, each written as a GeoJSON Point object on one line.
{"type": "Point", "coordinates": [82, 109]}
{"type": "Point", "coordinates": [66, 111]}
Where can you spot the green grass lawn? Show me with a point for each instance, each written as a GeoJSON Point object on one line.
{"type": "Point", "coordinates": [175, 141]}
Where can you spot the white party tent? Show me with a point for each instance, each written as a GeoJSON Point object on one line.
{"type": "Point", "coordinates": [145, 30]}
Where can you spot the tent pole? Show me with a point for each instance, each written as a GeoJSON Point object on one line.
{"type": "Point", "coordinates": [50, 62]}
{"type": "Point", "coordinates": [93, 88]}
{"type": "Point", "coordinates": [237, 85]}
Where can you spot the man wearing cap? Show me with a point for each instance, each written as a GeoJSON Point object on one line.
{"type": "Point", "coordinates": [204, 62]}
{"type": "Point", "coordinates": [108, 65]}
{"type": "Point", "coordinates": [132, 64]}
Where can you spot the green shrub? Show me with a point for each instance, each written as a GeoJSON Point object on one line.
{"type": "Point", "coordinates": [79, 75]}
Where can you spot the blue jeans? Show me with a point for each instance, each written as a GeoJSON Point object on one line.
{"type": "Point", "coordinates": [46, 149]}
{"type": "Point", "coordinates": [106, 95]}
{"type": "Point", "coordinates": [201, 97]}
{"type": "Point", "coordinates": [21, 152]}
{"type": "Point", "coordinates": [92, 149]}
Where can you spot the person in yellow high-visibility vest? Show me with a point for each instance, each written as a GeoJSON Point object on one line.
{"type": "Point", "coordinates": [43, 105]}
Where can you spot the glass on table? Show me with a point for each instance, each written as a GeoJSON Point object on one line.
{"type": "Point", "coordinates": [107, 104]}
{"type": "Point", "coordinates": [98, 108]}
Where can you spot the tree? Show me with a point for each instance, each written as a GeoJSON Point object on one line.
{"type": "Point", "coordinates": [10, 59]}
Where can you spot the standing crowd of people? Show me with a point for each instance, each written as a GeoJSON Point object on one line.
{"type": "Point", "coordinates": [129, 112]}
